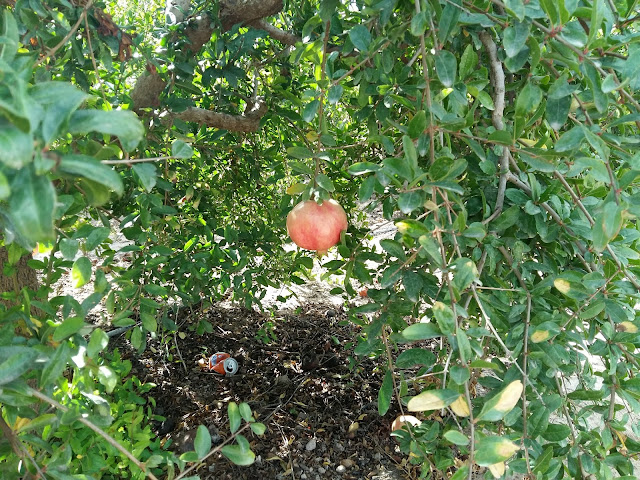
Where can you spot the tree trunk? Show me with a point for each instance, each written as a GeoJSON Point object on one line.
{"type": "Point", "coordinates": [24, 276]}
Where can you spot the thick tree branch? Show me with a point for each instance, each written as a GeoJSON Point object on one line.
{"type": "Point", "coordinates": [275, 32]}
{"type": "Point", "coordinates": [249, 122]}
{"type": "Point", "coordinates": [246, 11]}
{"type": "Point", "coordinates": [497, 82]}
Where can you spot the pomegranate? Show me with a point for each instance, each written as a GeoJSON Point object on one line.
{"type": "Point", "coordinates": [316, 227]}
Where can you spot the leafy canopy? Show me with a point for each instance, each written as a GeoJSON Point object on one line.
{"type": "Point", "coordinates": [500, 138]}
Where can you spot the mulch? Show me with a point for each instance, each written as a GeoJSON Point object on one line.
{"type": "Point", "coordinates": [300, 377]}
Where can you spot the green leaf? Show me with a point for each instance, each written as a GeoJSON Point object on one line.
{"type": "Point", "coordinates": [310, 110]}
{"type": "Point", "coordinates": [60, 100]}
{"type": "Point", "coordinates": [360, 37]}
{"type": "Point", "coordinates": [97, 194]}
{"type": "Point", "coordinates": [97, 342]}
{"type": "Point", "coordinates": [300, 153]}
{"type": "Point", "coordinates": [69, 248]}
{"type": "Point", "coordinates": [10, 36]}
{"type": "Point", "coordinates": [460, 375]}
{"type": "Point", "coordinates": [421, 331]}
{"type": "Point", "coordinates": [410, 201]}
{"type": "Point", "coordinates": [432, 400]}
{"type": "Point", "coordinates": [70, 326]}
{"type": "Point", "coordinates": [528, 99]}
{"type": "Point", "coordinates": [108, 378]}
{"type": "Point", "coordinates": [413, 228]}
{"type": "Point", "coordinates": [492, 450]}
{"type": "Point", "coordinates": [418, 124]}
{"type": "Point", "coordinates": [32, 205]}
{"type": "Point", "coordinates": [56, 365]}
{"type": "Point", "coordinates": [245, 412]}
{"type": "Point", "coordinates": [415, 356]}
{"type": "Point", "coordinates": [412, 282]}
{"type": "Point", "coordinates": [81, 272]}
{"type": "Point", "coordinates": [239, 455]}
{"type": "Point", "coordinates": [502, 403]}
{"type": "Point", "coordinates": [607, 225]}
{"type": "Point", "coordinates": [122, 123]}
{"type": "Point", "coordinates": [235, 419]}
{"type": "Point", "coordinates": [360, 168]}
{"type": "Point", "coordinates": [465, 274]}
{"type": "Point", "coordinates": [16, 146]}
{"type": "Point", "coordinates": [464, 346]}
{"type": "Point", "coordinates": [570, 140]}
{"type": "Point", "coordinates": [456, 438]}
{"type": "Point", "coordinates": [385, 393]}
{"type": "Point", "coordinates": [16, 365]}
{"type": "Point", "coordinates": [446, 67]}
{"type": "Point", "coordinates": [410, 154]}
{"type": "Point", "coordinates": [325, 182]}
{"type": "Point", "coordinates": [334, 94]}
{"type": "Point", "coordinates": [545, 331]}
{"type": "Point", "coordinates": [181, 149]}
{"type": "Point", "coordinates": [91, 169]}
{"type": "Point", "coordinates": [449, 19]}
{"type": "Point", "coordinates": [398, 166]}
{"type": "Point", "coordinates": [419, 24]}
{"type": "Point", "coordinates": [96, 237]}
{"type": "Point", "coordinates": [202, 442]}
{"type": "Point", "coordinates": [393, 248]}
{"type": "Point", "coordinates": [445, 318]}
{"type": "Point", "coordinates": [149, 322]}
{"type": "Point", "coordinates": [147, 175]}
{"type": "Point", "coordinates": [515, 37]}
{"type": "Point", "coordinates": [258, 428]}
{"type": "Point", "coordinates": [557, 111]}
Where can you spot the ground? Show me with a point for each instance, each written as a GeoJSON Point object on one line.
{"type": "Point", "coordinates": [298, 374]}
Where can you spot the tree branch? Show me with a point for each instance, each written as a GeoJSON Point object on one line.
{"type": "Point", "coordinates": [249, 122]}
{"type": "Point", "coordinates": [497, 82]}
{"type": "Point", "coordinates": [275, 32]}
{"type": "Point", "coordinates": [246, 11]}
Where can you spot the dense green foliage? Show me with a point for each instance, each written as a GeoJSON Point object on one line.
{"type": "Point", "coordinates": [501, 139]}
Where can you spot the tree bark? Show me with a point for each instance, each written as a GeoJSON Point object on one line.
{"type": "Point", "coordinates": [246, 11]}
{"type": "Point", "coordinates": [24, 276]}
{"type": "Point", "coordinates": [249, 122]}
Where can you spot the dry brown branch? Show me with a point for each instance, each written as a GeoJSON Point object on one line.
{"type": "Point", "coordinates": [249, 122]}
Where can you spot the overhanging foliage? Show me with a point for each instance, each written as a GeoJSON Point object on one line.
{"type": "Point", "coordinates": [501, 138]}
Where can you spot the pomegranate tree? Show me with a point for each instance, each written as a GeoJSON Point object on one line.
{"type": "Point", "coordinates": [316, 227]}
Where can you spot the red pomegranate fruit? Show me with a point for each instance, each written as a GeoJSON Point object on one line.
{"type": "Point", "coordinates": [316, 227]}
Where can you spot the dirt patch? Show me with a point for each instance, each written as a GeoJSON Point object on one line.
{"type": "Point", "coordinates": [301, 379]}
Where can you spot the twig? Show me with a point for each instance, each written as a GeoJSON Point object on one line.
{"type": "Point", "coordinates": [525, 353]}
{"type": "Point", "coordinates": [358, 65]}
{"type": "Point", "coordinates": [41, 396]}
{"type": "Point", "coordinates": [571, 426]}
{"type": "Point", "coordinates": [128, 161]}
{"type": "Point", "coordinates": [66, 38]}
{"type": "Point", "coordinates": [323, 76]}
{"type": "Point", "coordinates": [93, 58]}
{"type": "Point", "coordinates": [427, 89]}
{"type": "Point", "coordinates": [581, 206]}
{"type": "Point", "coordinates": [175, 342]}
{"type": "Point", "coordinates": [17, 446]}
{"type": "Point", "coordinates": [554, 215]}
